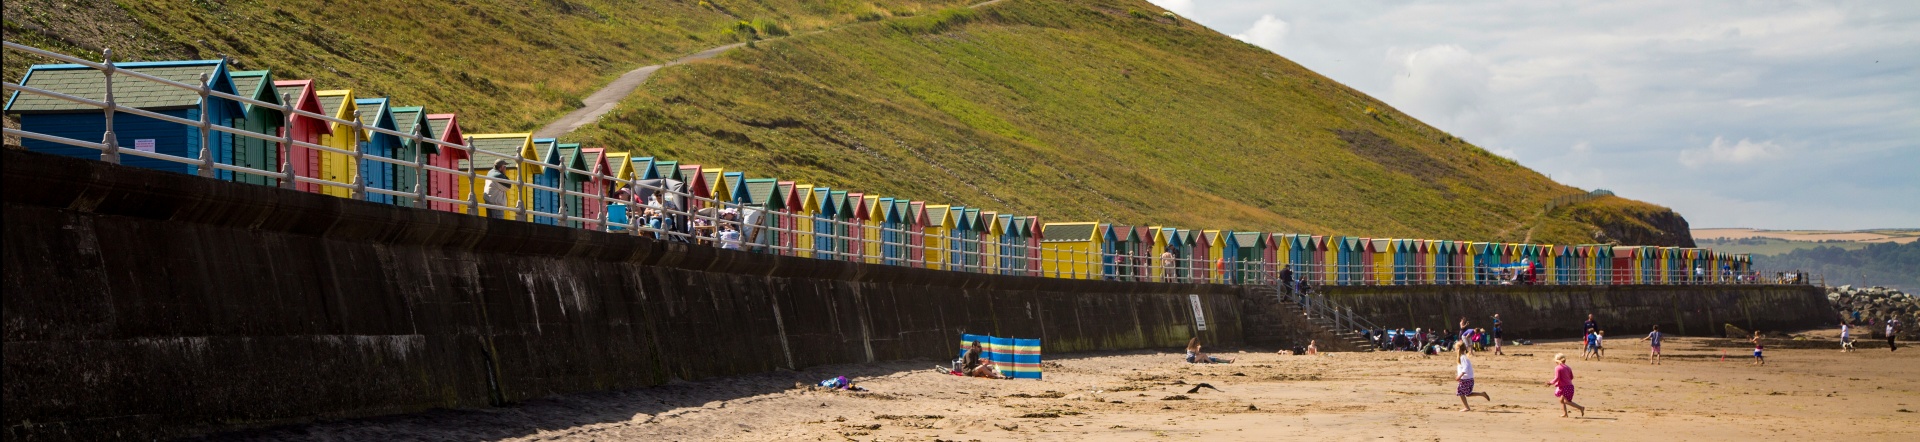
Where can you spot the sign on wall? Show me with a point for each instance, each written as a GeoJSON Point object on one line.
{"type": "Point", "coordinates": [1199, 316]}
{"type": "Point", "coordinates": [143, 145]}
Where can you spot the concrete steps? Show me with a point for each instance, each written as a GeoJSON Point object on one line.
{"type": "Point", "coordinates": [1262, 325]}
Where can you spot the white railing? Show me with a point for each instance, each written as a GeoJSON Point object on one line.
{"type": "Point", "coordinates": [699, 219]}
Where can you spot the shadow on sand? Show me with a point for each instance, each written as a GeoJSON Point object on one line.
{"type": "Point", "coordinates": [565, 411]}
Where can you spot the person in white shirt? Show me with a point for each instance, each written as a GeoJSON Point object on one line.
{"type": "Point", "coordinates": [1463, 373]}
{"type": "Point", "coordinates": [729, 238]}
{"type": "Point", "coordinates": [1846, 337]}
{"type": "Point", "coordinates": [495, 192]}
{"type": "Point", "coordinates": [1893, 326]}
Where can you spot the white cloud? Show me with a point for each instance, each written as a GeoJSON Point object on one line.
{"type": "Point", "coordinates": [1721, 151]}
{"type": "Point", "coordinates": [1267, 32]}
{"type": "Point", "coordinates": [1656, 91]}
{"type": "Point", "coordinates": [1446, 85]}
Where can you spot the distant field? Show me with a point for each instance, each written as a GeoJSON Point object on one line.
{"type": "Point", "coordinates": [1897, 236]}
{"type": "Point", "coordinates": [1770, 246]}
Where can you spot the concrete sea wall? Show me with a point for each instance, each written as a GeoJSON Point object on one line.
{"type": "Point", "coordinates": [144, 304]}
{"type": "Point", "coordinates": [1537, 312]}
{"type": "Point", "coordinates": [148, 305]}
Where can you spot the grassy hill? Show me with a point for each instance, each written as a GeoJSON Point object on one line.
{"type": "Point", "coordinates": [1070, 110]}
{"type": "Point", "coordinates": [1088, 109]}
{"type": "Point", "coordinates": [504, 65]}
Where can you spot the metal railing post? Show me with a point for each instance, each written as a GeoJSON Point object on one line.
{"type": "Point", "coordinates": [636, 208]}
{"type": "Point", "coordinates": [520, 174]}
{"type": "Point", "coordinates": [110, 155]}
{"type": "Point", "coordinates": [206, 140]}
{"type": "Point", "coordinates": [419, 169]}
{"type": "Point", "coordinates": [601, 183]}
{"type": "Point", "coordinates": [288, 179]}
{"type": "Point", "coordinates": [473, 180]}
{"type": "Point", "coordinates": [359, 161]}
{"type": "Point", "coordinates": [565, 172]}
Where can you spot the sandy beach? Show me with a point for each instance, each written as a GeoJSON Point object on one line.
{"type": "Point", "coordinates": [1815, 393]}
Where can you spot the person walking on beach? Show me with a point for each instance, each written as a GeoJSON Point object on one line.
{"type": "Point", "coordinates": [1846, 337]}
{"type": "Point", "coordinates": [1893, 327]}
{"type": "Point", "coordinates": [1758, 359]}
{"type": "Point", "coordinates": [1497, 337]}
{"type": "Point", "coordinates": [1463, 374]}
{"type": "Point", "coordinates": [1654, 341]}
{"type": "Point", "coordinates": [1562, 384]}
{"type": "Point", "coordinates": [1592, 348]}
{"type": "Point", "coordinates": [1590, 325]}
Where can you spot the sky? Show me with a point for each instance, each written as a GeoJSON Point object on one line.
{"type": "Point", "coordinates": [1762, 114]}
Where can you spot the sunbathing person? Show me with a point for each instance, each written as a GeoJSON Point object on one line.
{"type": "Point", "coordinates": [1194, 355]}
{"type": "Point", "coordinates": [977, 366]}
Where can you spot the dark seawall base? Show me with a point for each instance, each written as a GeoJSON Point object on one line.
{"type": "Point", "coordinates": [143, 304]}
{"type": "Point", "coordinates": [1627, 311]}
{"type": "Point", "coordinates": [150, 305]}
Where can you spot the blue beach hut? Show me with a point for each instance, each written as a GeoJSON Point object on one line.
{"type": "Point", "coordinates": [377, 113]}
{"type": "Point", "coordinates": [547, 201]}
{"type": "Point", "coordinates": [61, 118]}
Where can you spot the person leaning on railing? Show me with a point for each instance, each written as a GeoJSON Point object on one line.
{"type": "Point", "coordinates": [495, 191]}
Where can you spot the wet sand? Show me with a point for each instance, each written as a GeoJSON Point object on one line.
{"type": "Point", "coordinates": [1802, 394]}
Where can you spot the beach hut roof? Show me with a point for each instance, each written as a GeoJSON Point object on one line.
{"type": "Point", "coordinates": [763, 192]}
{"type": "Point", "coordinates": [305, 98]}
{"type": "Point", "coordinates": [258, 85]}
{"type": "Point", "coordinates": [1071, 232]}
{"type": "Point", "coordinates": [940, 215]}
{"type": "Point", "coordinates": [86, 82]}
{"type": "Point", "coordinates": [505, 147]}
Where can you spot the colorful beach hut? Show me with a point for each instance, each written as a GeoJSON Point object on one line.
{"type": "Point", "coordinates": [514, 148]}
{"type": "Point", "coordinates": [303, 129]}
{"type": "Point", "coordinates": [61, 118]}
{"type": "Point", "coordinates": [258, 153]}
{"type": "Point", "coordinates": [445, 127]}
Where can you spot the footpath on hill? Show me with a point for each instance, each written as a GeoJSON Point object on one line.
{"type": "Point", "coordinates": [604, 100]}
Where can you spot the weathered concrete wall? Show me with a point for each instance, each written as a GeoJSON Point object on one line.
{"type": "Point", "coordinates": [1536, 312]}
{"type": "Point", "coordinates": [142, 304]}
{"type": "Point", "coordinates": [1266, 322]}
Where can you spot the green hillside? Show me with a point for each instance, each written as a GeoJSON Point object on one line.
{"type": "Point", "coordinates": [1081, 110]}
{"type": "Point", "coordinates": [1069, 110]}
{"type": "Point", "coordinates": [504, 65]}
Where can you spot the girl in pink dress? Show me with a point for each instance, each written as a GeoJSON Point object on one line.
{"type": "Point", "coordinates": [1563, 385]}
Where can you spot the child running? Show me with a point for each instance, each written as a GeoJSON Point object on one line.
{"type": "Point", "coordinates": [1653, 339]}
{"type": "Point", "coordinates": [1592, 346]}
{"type": "Point", "coordinates": [1562, 384]}
{"type": "Point", "coordinates": [1758, 359]}
{"type": "Point", "coordinates": [1463, 373]}
{"type": "Point", "coordinates": [1599, 344]}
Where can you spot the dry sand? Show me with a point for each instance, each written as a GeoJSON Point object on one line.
{"type": "Point", "coordinates": [1802, 394]}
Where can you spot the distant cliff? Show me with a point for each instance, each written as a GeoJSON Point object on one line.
{"type": "Point", "coordinates": [1627, 222]}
